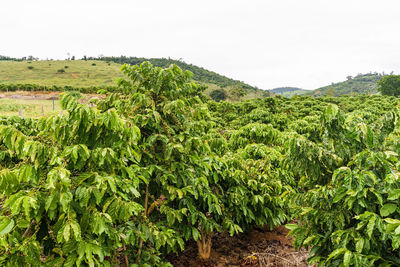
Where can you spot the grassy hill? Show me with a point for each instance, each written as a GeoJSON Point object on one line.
{"type": "Point", "coordinates": [199, 74]}
{"type": "Point", "coordinates": [360, 84]}
{"type": "Point", "coordinates": [104, 72]}
{"type": "Point", "coordinates": [288, 91]}
{"type": "Point", "coordinates": [77, 73]}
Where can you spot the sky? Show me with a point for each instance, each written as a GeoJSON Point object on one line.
{"type": "Point", "coordinates": [265, 43]}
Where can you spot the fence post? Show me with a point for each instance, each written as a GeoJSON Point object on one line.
{"type": "Point", "coordinates": [53, 96]}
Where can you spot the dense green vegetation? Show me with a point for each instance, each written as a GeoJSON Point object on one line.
{"type": "Point", "coordinates": [340, 158]}
{"type": "Point", "coordinates": [155, 164]}
{"type": "Point", "coordinates": [389, 85]}
{"type": "Point", "coordinates": [218, 95]}
{"type": "Point", "coordinates": [134, 174]}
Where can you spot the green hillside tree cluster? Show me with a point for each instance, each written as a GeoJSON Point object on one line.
{"type": "Point", "coordinates": [389, 85]}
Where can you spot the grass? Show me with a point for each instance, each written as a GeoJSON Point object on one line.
{"type": "Point", "coordinates": [29, 108]}
{"type": "Point", "coordinates": [77, 73]}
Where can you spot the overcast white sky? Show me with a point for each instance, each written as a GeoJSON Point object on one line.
{"type": "Point", "coordinates": [266, 43]}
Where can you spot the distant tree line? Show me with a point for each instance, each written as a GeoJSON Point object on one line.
{"type": "Point", "coordinates": [4, 58]}
{"type": "Point", "coordinates": [29, 58]}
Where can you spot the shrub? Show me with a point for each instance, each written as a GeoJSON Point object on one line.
{"type": "Point", "coordinates": [60, 71]}
{"type": "Point", "coordinates": [30, 67]}
{"type": "Point", "coordinates": [349, 195]}
{"type": "Point", "coordinates": [218, 95]}
{"type": "Point", "coordinates": [75, 94]}
{"type": "Point", "coordinates": [389, 85]}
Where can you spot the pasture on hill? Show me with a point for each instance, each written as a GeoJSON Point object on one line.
{"type": "Point", "coordinates": [95, 73]}
{"type": "Point", "coordinates": [77, 73]}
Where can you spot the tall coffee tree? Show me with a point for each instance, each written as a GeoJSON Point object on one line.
{"type": "Point", "coordinates": [189, 187]}
{"type": "Point", "coordinates": [128, 180]}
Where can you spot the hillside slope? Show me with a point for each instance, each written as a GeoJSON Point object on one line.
{"type": "Point", "coordinates": [104, 71]}
{"type": "Point", "coordinates": [360, 84]}
{"type": "Point", "coordinates": [199, 74]}
{"type": "Point", "coordinates": [288, 91]}
{"type": "Point", "coordinates": [77, 73]}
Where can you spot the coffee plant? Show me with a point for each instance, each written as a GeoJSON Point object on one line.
{"type": "Point", "coordinates": [347, 214]}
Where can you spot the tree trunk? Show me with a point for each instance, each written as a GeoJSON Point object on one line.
{"type": "Point", "coordinates": [204, 246]}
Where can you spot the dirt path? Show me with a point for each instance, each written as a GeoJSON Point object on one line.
{"type": "Point", "coordinates": [259, 247]}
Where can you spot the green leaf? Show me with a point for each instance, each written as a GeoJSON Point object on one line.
{"type": "Point", "coordinates": [371, 226]}
{"type": "Point", "coordinates": [195, 234]}
{"type": "Point", "coordinates": [394, 194]}
{"type": "Point", "coordinates": [347, 258]}
{"type": "Point", "coordinates": [360, 245]}
{"type": "Point", "coordinates": [388, 209]}
{"type": "Point", "coordinates": [339, 195]}
{"type": "Point", "coordinates": [331, 112]}
{"type": "Point", "coordinates": [291, 226]}
{"type": "Point", "coordinates": [397, 231]}
{"type": "Point", "coordinates": [391, 224]}
{"type": "Point", "coordinates": [6, 225]}
{"type": "Point", "coordinates": [76, 229]}
{"type": "Point", "coordinates": [22, 223]}
{"type": "Point", "coordinates": [336, 253]}
{"type": "Point", "coordinates": [67, 232]}
{"type": "Point", "coordinates": [65, 199]}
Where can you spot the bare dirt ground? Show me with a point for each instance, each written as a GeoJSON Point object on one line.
{"type": "Point", "coordinates": [259, 247]}
{"type": "Point", "coordinates": [27, 95]}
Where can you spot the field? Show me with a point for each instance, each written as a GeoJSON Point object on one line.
{"type": "Point", "coordinates": [77, 73]}
{"type": "Point", "coordinates": [157, 174]}
{"type": "Point", "coordinates": [29, 108]}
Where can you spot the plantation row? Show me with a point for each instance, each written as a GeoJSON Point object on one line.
{"type": "Point", "coordinates": [155, 165]}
